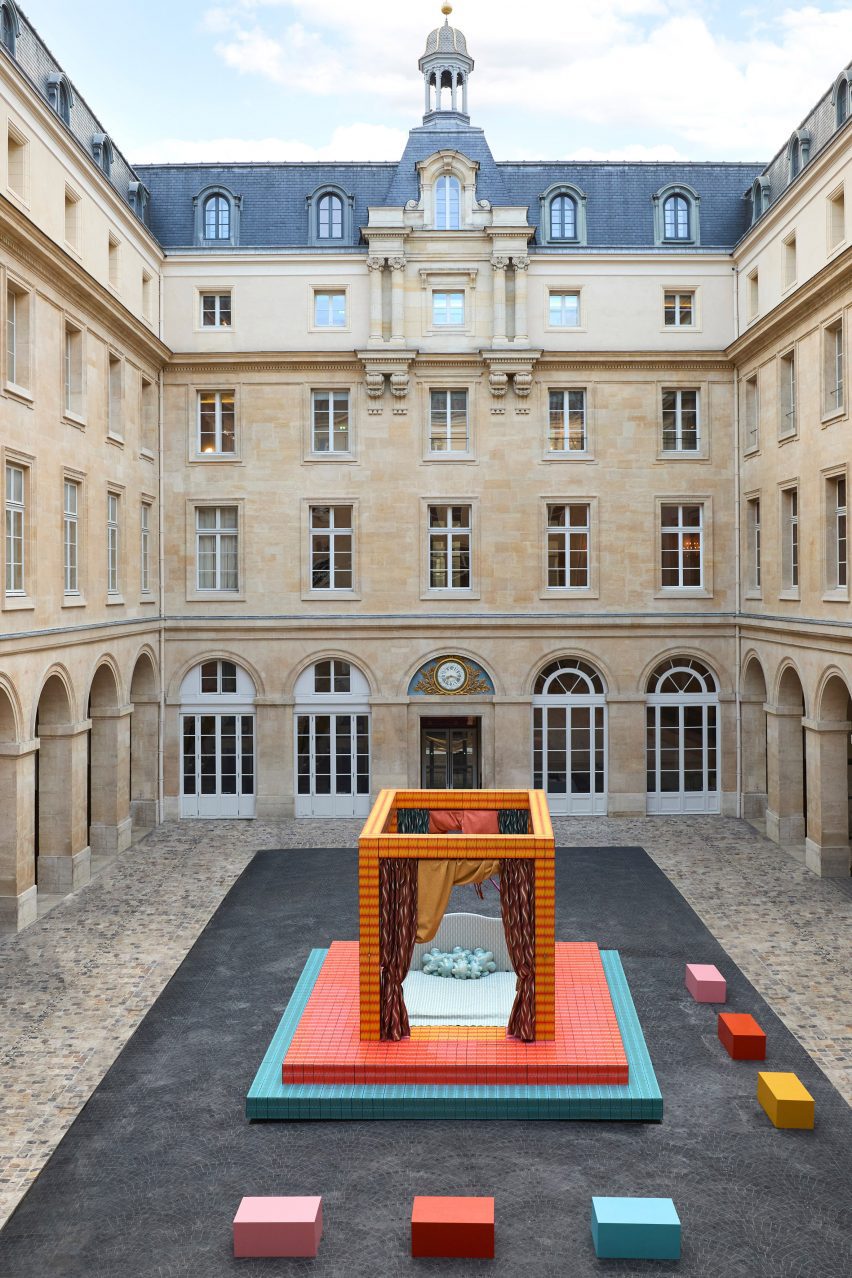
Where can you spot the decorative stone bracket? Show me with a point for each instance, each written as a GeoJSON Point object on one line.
{"type": "Point", "coordinates": [393, 365]}
{"type": "Point", "coordinates": [503, 365]}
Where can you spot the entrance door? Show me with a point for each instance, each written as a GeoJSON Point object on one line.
{"type": "Point", "coordinates": [569, 753]}
{"type": "Point", "coordinates": [682, 738]}
{"type": "Point", "coordinates": [217, 765]}
{"type": "Point", "coordinates": [332, 765]}
{"type": "Point", "coordinates": [449, 753]}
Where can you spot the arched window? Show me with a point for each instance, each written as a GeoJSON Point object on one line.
{"type": "Point", "coordinates": [9, 26]}
{"type": "Point", "coordinates": [569, 737]}
{"type": "Point", "coordinates": [759, 197]}
{"type": "Point", "coordinates": [676, 218]}
{"type": "Point", "coordinates": [563, 218]}
{"type": "Point", "coordinates": [332, 741]}
{"type": "Point", "coordinates": [103, 152]}
{"type": "Point", "coordinates": [330, 217]}
{"type": "Point", "coordinates": [842, 101]}
{"type": "Point", "coordinates": [60, 96]}
{"type": "Point", "coordinates": [217, 218]}
{"type": "Point", "coordinates": [795, 158]}
{"type": "Point", "coordinates": [448, 203]}
{"type": "Point", "coordinates": [682, 737]}
{"type": "Point", "coordinates": [218, 758]}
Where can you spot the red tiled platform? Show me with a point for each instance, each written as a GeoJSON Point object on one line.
{"type": "Point", "coordinates": [587, 1049]}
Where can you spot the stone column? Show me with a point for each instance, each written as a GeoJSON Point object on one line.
{"type": "Point", "coordinates": [144, 758]}
{"type": "Point", "coordinates": [521, 324]}
{"type": "Point", "coordinates": [397, 265]}
{"type": "Point", "coordinates": [17, 834]}
{"type": "Point", "coordinates": [785, 818]}
{"type": "Point", "coordinates": [389, 746]}
{"type": "Point", "coordinates": [275, 778]}
{"type": "Point", "coordinates": [109, 824]}
{"type": "Point", "coordinates": [753, 720]}
{"type": "Point", "coordinates": [499, 337]}
{"type": "Point", "coordinates": [64, 858]}
{"type": "Point", "coordinates": [513, 743]}
{"type": "Point", "coordinates": [827, 842]}
{"type": "Point", "coordinates": [376, 265]}
{"type": "Point", "coordinates": [627, 784]}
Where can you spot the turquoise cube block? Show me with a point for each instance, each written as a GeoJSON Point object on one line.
{"type": "Point", "coordinates": [635, 1229]}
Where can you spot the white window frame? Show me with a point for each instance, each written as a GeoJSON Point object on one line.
{"type": "Point", "coordinates": [570, 535]}
{"type": "Point", "coordinates": [333, 395]}
{"type": "Point", "coordinates": [448, 203]}
{"type": "Point", "coordinates": [753, 536]}
{"type": "Point", "coordinates": [145, 547]}
{"type": "Point", "coordinates": [563, 294]}
{"type": "Point", "coordinates": [677, 308]}
{"type": "Point", "coordinates": [678, 410]}
{"type": "Point", "coordinates": [837, 535]}
{"type": "Point", "coordinates": [219, 415]}
{"type": "Point", "coordinates": [15, 496]}
{"type": "Point", "coordinates": [790, 540]}
{"type": "Point", "coordinates": [751, 414]}
{"type": "Point", "coordinates": [218, 534]}
{"type": "Point", "coordinates": [444, 433]}
{"type": "Point", "coordinates": [446, 535]}
{"type": "Point", "coordinates": [115, 396]}
{"type": "Point", "coordinates": [680, 234]}
{"type": "Point", "coordinates": [327, 325]}
{"type": "Point", "coordinates": [571, 414]}
{"type": "Point", "coordinates": [682, 530]}
{"type": "Point", "coordinates": [113, 529]}
{"type": "Point", "coordinates": [337, 550]}
{"type": "Point", "coordinates": [217, 296]}
{"type": "Point", "coordinates": [787, 394]}
{"type": "Point", "coordinates": [74, 371]}
{"type": "Point", "coordinates": [833, 369]}
{"type": "Point", "coordinates": [71, 535]}
{"type": "Point", "coordinates": [444, 303]}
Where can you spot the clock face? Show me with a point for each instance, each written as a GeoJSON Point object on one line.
{"type": "Point", "coordinates": [451, 676]}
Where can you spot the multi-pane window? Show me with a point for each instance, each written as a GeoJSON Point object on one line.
{"type": "Point", "coordinates": [330, 218]}
{"type": "Point", "coordinates": [113, 542]}
{"type": "Point", "coordinates": [567, 421]}
{"type": "Point", "coordinates": [15, 529]}
{"type": "Point", "coordinates": [836, 218]}
{"type": "Point", "coordinates": [680, 421]}
{"type": "Point", "coordinates": [787, 396]}
{"type": "Point", "coordinates": [833, 364]}
{"type": "Point", "coordinates": [563, 218]}
{"type": "Point", "coordinates": [16, 162]}
{"type": "Point", "coordinates": [73, 370]}
{"type": "Point", "coordinates": [788, 250]}
{"type": "Point", "coordinates": [447, 309]}
{"type": "Point", "coordinates": [753, 294]}
{"type": "Point", "coordinates": [330, 309]}
{"type": "Point", "coordinates": [790, 538]}
{"type": "Point", "coordinates": [215, 310]}
{"type": "Point", "coordinates": [753, 533]}
{"type": "Point", "coordinates": [568, 532]}
{"type": "Point", "coordinates": [145, 548]}
{"type": "Point", "coordinates": [676, 218]}
{"type": "Point", "coordinates": [330, 421]}
{"type": "Point", "coordinates": [449, 547]}
{"type": "Point", "coordinates": [751, 413]}
{"type": "Point", "coordinates": [564, 310]}
{"type": "Point", "coordinates": [219, 677]}
{"type": "Point", "coordinates": [217, 218]}
{"type": "Point", "coordinates": [679, 310]}
{"type": "Point", "coordinates": [217, 555]}
{"type": "Point", "coordinates": [71, 536]}
{"type": "Point", "coordinates": [18, 343]}
{"type": "Point", "coordinates": [331, 539]}
{"type": "Point", "coordinates": [114, 396]}
{"type": "Point", "coordinates": [681, 530]}
{"type": "Point", "coordinates": [837, 557]}
{"type": "Point", "coordinates": [216, 419]}
{"type": "Point", "coordinates": [447, 203]}
{"type": "Point", "coordinates": [11, 336]}
{"type": "Point", "coordinates": [72, 218]}
{"type": "Point", "coordinates": [448, 422]}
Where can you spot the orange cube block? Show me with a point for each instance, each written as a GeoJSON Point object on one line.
{"type": "Point", "coordinates": [453, 1227]}
{"type": "Point", "coordinates": [741, 1036]}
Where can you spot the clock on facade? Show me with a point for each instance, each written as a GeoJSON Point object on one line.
{"type": "Point", "coordinates": [451, 676]}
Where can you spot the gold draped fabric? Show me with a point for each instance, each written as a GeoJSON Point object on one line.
{"type": "Point", "coordinates": [435, 882]}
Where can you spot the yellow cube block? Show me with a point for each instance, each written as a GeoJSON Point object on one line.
{"type": "Point", "coordinates": [787, 1101]}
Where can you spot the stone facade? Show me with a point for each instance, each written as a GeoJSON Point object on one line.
{"type": "Point", "coordinates": [447, 278]}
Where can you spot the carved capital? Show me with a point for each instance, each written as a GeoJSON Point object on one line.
{"type": "Point", "coordinates": [396, 263]}
{"type": "Point", "coordinates": [521, 263]}
{"type": "Point", "coordinates": [523, 384]}
{"type": "Point", "coordinates": [399, 383]}
{"type": "Point", "coordinates": [499, 263]}
{"type": "Point", "coordinates": [375, 383]}
{"type": "Point", "coordinates": [375, 263]}
{"type": "Point", "coordinates": [498, 381]}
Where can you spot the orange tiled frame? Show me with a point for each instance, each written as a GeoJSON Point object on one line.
{"type": "Point", "coordinates": [380, 839]}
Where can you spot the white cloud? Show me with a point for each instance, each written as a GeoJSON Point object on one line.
{"type": "Point", "coordinates": [350, 142]}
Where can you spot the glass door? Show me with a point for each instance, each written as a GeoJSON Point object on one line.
{"type": "Point", "coordinates": [449, 756]}
{"type": "Point", "coordinates": [682, 749]}
{"type": "Point", "coordinates": [569, 757]}
{"type": "Point", "coordinates": [217, 765]}
{"type": "Point", "coordinates": [332, 765]}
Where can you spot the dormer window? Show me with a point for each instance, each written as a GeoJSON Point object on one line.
{"type": "Point", "coordinates": [676, 215]}
{"type": "Point", "coordinates": [448, 203]}
{"type": "Point", "coordinates": [103, 152]}
{"type": "Point", "coordinates": [841, 98]}
{"type": "Point", "coordinates": [10, 27]}
{"type": "Point", "coordinates": [759, 197]}
{"type": "Point", "coordinates": [798, 150]}
{"type": "Point", "coordinates": [330, 217]}
{"type": "Point", "coordinates": [217, 217]}
{"type": "Point", "coordinates": [139, 197]}
{"type": "Point", "coordinates": [563, 218]}
{"type": "Point", "coordinates": [60, 96]}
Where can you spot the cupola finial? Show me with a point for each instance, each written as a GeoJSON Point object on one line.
{"type": "Point", "coordinates": [446, 65]}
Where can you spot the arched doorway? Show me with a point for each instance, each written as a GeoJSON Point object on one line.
{"type": "Point", "coordinates": [569, 738]}
{"type": "Point", "coordinates": [62, 817]}
{"type": "Point", "coordinates": [753, 737]}
{"type": "Point", "coordinates": [144, 744]}
{"type": "Point", "coordinates": [109, 765]}
{"type": "Point", "coordinates": [332, 741]}
{"type": "Point", "coordinates": [829, 773]}
{"type": "Point", "coordinates": [786, 804]}
{"type": "Point", "coordinates": [682, 737]}
{"type": "Point", "coordinates": [218, 756]}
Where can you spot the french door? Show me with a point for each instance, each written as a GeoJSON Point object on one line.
{"type": "Point", "coordinates": [449, 757]}
{"type": "Point", "coordinates": [682, 757]}
{"type": "Point", "coordinates": [569, 757]}
{"type": "Point", "coordinates": [217, 765]}
{"type": "Point", "coordinates": [332, 765]}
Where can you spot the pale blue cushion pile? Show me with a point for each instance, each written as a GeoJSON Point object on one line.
{"type": "Point", "coordinates": [463, 965]}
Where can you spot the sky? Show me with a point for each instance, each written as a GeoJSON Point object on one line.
{"type": "Point", "coordinates": [182, 80]}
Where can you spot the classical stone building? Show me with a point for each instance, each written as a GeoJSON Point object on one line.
{"type": "Point", "coordinates": [324, 477]}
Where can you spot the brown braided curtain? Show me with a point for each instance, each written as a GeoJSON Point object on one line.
{"type": "Point", "coordinates": [397, 930]}
{"type": "Point", "coordinates": [517, 900]}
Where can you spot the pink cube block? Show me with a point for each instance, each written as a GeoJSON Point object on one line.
{"type": "Point", "coordinates": [706, 983]}
{"type": "Point", "coordinates": [278, 1227]}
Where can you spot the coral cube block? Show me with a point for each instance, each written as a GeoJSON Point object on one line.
{"type": "Point", "coordinates": [453, 1227]}
{"type": "Point", "coordinates": [635, 1229]}
{"type": "Point", "coordinates": [741, 1036]}
{"type": "Point", "coordinates": [786, 1100]}
{"type": "Point", "coordinates": [706, 983]}
{"type": "Point", "coordinates": [278, 1227]}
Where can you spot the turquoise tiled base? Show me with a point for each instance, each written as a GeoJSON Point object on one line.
{"type": "Point", "coordinates": [640, 1100]}
{"type": "Point", "coordinates": [635, 1229]}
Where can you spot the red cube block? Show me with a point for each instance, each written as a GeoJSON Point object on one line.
{"type": "Point", "coordinates": [741, 1036]}
{"type": "Point", "coordinates": [278, 1227]}
{"type": "Point", "coordinates": [453, 1227]}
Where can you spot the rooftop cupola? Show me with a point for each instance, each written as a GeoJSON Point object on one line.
{"type": "Point", "coordinates": [446, 66]}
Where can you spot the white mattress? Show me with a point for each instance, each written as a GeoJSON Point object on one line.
{"type": "Point", "coordinates": [439, 1000]}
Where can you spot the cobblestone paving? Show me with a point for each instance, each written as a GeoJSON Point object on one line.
{"type": "Point", "coordinates": [75, 985]}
